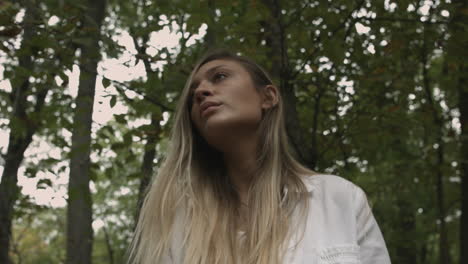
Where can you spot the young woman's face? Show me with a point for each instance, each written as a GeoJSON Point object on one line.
{"type": "Point", "coordinates": [225, 100]}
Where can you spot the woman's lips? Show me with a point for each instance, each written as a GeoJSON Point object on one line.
{"type": "Point", "coordinates": [209, 109]}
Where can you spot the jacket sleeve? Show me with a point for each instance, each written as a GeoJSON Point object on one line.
{"type": "Point", "coordinates": [369, 237]}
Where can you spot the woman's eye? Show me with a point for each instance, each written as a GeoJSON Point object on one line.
{"type": "Point", "coordinates": [219, 76]}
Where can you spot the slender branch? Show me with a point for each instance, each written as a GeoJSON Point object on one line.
{"type": "Point", "coordinates": [402, 20]}
{"type": "Point", "coordinates": [145, 97]}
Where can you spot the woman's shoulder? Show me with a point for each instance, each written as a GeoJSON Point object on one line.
{"type": "Point", "coordinates": [341, 216]}
{"type": "Point", "coordinates": [328, 181]}
{"type": "Point", "coordinates": [332, 187]}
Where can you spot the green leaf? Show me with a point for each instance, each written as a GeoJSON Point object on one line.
{"type": "Point", "coordinates": [120, 119]}
{"type": "Point", "coordinates": [30, 172]}
{"type": "Point", "coordinates": [128, 138]}
{"type": "Point", "coordinates": [117, 146]}
{"type": "Point", "coordinates": [44, 183]}
{"type": "Point", "coordinates": [105, 82]}
{"type": "Point", "coordinates": [113, 100]}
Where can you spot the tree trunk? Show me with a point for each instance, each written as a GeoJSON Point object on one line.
{"type": "Point", "coordinates": [22, 130]}
{"type": "Point", "coordinates": [275, 39]}
{"type": "Point", "coordinates": [457, 54]}
{"type": "Point", "coordinates": [211, 33]}
{"type": "Point", "coordinates": [110, 250]}
{"type": "Point", "coordinates": [463, 106]}
{"type": "Point", "coordinates": [79, 211]}
{"type": "Point", "coordinates": [406, 251]}
{"type": "Point", "coordinates": [148, 159]}
{"type": "Point", "coordinates": [444, 256]}
{"type": "Point", "coordinates": [151, 137]}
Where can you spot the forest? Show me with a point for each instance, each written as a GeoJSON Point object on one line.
{"type": "Point", "coordinates": [374, 91]}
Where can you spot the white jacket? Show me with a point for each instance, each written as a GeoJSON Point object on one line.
{"type": "Point", "coordinates": [340, 227]}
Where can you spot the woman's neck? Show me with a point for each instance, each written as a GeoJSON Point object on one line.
{"type": "Point", "coordinates": [241, 165]}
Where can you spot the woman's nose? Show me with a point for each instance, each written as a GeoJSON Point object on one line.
{"type": "Point", "coordinates": [203, 90]}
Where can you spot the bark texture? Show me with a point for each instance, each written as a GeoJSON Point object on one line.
{"type": "Point", "coordinates": [463, 102]}
{"type": "Point", "coordinates": [22, 129]}
{"type": "Point", "coordinates": [444, 256]}
{"type": "Point", "coordinates": [281, 72]}
{"type": "Point", "coordinates": [148, 162]}
{"type": "Point", "coordinates": [458, 64]}
{"type": "Point", "coordinates": [79, 211]}
{"type": "Point", "coordinates": [152, 136]}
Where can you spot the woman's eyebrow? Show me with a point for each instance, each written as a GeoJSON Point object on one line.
{"type": "Point", "coordinates": [195, 83]}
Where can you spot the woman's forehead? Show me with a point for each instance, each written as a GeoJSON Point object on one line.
{"type": "Point", "coordinates": [217, 64]}
{"type": "Point", "coordinates": [212, 66]}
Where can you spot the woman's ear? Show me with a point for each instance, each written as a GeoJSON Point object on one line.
{"type": "Point", "coordinates": [270, 97]}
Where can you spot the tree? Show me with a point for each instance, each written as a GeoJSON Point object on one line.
{"type": "Point", "coordinates": [458, 66]}
{"type": "Point", "coordinates": [374, 91]}
{"type": "Point", "coordinates": [79, 211]}
{"type": "Point", "coordinates": [23, 124]}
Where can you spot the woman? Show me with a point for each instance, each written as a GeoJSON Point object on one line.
{"type": "Point", "coordinates": [230, 191]}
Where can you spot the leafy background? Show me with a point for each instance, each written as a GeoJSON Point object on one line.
{"type": "Point", "coordinates": [375, 92]}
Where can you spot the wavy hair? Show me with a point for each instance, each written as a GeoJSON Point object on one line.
{"type": "Point", "coordinates": [192, 199]}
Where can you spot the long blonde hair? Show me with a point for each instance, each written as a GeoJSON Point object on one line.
{"type": "Point", "coordinates": [191, 188]}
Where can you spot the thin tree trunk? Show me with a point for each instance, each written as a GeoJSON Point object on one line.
{"type": "Point", "coordinates": [423, 253]}
{"type": "Point", "coordinates": [406, 250]}
{"type": "Point", "coordinates": [22, 130]}
{"type": "Point", "coordinates": [444, 256]}
{"type": "Point", "coordinates": [79, 211]}
{"type": "Point", "coordinates": [275, 39]}
{"type": "Point", "coordinates": [457, 53]}
{"type": "Point", "coordinates": [463, 106]}
{"type": "Point", "coordinates": [110, 251]}
{"type": "Point", "coordinates": [211, 33]}
{"type": "Point", "coordinates": [152, 136]}
{"type": "Point", "coordinates": [148, 161]}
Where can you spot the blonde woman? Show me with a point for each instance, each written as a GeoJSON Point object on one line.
{"type": "Point", "coordinates": [230, 192]}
